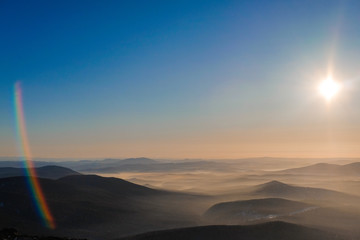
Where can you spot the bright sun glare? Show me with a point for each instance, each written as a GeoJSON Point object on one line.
{"type": "Point", "coordinates": [329, 88]}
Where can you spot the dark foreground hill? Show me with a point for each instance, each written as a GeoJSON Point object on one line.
{"type": "Point", "coordinates": [94, 207]}
{"type": "Point", "coordinates": [266, 231]}
{"type": "Point", "coordinates": [13, 234]}
{"type": "Point", "coordinates": [51, 172]}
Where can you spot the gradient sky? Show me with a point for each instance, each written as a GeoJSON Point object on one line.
{"type": "Point", "coordinates": [181, 79]}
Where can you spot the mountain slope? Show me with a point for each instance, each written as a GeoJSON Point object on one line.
{"type": "Point", "coordinates": [96, 184]}
{"type": "Point", "coordinates": [266, 231]}
{"type": "Point", "coordinates": [93, 207]}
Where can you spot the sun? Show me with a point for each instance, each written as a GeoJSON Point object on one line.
{"type": "Point", "coordinates": [329, 88]}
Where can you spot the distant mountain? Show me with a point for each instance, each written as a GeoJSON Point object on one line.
{"type": "Point", "coordinates": [141, 160]}
{"type": "Point", "coordinates": [108, 165]}
{"type": "Point", "coordinates": [282, 190]}
{"type": "Point", "coordinates": [352, 169]}
{"type": "Point", "coordinates": [89, 206]}
{"type": "Point", "coordinates": [132, 165]}
{"type": "Point", "coordinates": [52, 172]}
{"type": "Point", "coordinates": [266, 231]}
{"type": "Point", "coordinates": [240, 212]}
{"type": "Point", "coordinates": [82, 165]}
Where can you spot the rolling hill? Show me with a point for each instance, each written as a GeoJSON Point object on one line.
{"type": "Point", "coordinates": [352, 169]}
{"type": "Point", "coordinates": [240, 212]}
{"type": "Point", "coordinates": [94, 207]}
{"type": "Point", "coordinates": [282, 190]}
{"type": "Point", "coordinates": [266, 231]}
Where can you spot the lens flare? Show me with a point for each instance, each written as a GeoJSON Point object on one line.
{"type": "Point", "coordinates": [33, 182]}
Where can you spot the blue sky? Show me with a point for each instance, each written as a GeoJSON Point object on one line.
{"type": "Point", "coordinates": [179, 79]}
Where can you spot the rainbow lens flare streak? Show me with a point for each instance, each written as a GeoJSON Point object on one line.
{"type": "Point", "coordinates": [33, 182]}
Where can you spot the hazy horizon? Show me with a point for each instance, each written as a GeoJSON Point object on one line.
{"type": "Point", "coordinates": [59, 159]}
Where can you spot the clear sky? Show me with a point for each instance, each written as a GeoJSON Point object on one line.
{"type": "Point", "coordinates": [181, 79]}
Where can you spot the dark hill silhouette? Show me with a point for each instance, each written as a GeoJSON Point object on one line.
{"type": "Point", "coordinates": [13, 234]}
{"type": "Point", "coordinates": [93, 207]}
{"type": "Point", "coordinates": [239, 212]}
{"type": "Point", "coordinates": [52, 172]}
{"type": "Point", "coordinates": [266, 231]}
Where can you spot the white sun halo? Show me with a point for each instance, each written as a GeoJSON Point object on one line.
{"type": "Point", "coordinates": [329, 88]}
